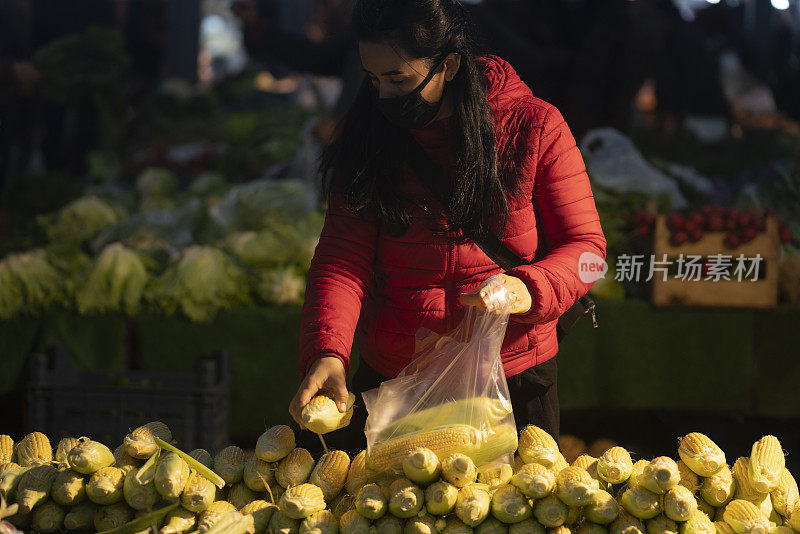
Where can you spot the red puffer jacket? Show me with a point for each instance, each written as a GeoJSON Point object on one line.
{"type": "Point", "coordinates": [401, 284]}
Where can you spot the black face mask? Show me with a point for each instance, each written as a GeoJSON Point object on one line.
{"type": "Point", "coordinates": [411, 110]}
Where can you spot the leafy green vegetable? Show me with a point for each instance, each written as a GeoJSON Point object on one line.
{"type": "Point", "coordinates": [115, 282]}
{"type": "Point", "coordinates": [156, 188]}
{"type": "Point", "coordinates": [79, 220]}
{"type": "Point", "coordinates": [203, 282]}
{"type": "Point", "coordinates": [281, 286]}
{"type": "Point", "coordinates": [28, 284]}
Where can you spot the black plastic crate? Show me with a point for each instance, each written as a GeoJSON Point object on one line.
{"type": "Point", "coordinates": [107, 405]}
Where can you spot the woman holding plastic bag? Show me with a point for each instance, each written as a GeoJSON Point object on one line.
{"type": "Point", "coordinates": [393, 251]}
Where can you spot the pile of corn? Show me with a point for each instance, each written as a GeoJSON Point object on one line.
{"type": "Point", "coordinates": [146, 485]}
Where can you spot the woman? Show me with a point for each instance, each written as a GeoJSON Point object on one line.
{"type": "Point", "coordinates": [392, 254]}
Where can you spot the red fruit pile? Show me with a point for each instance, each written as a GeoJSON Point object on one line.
{"type": "Point", "coordinates": [740, 226]}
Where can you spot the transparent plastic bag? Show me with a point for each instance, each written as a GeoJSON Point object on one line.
{"type": "Point", "coordinates": [453, 397]}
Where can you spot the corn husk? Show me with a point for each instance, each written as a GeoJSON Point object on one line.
{"type": "Point", "coordinates": [534, 480]}
{"type": "Point", "coordinates": [440, 498]}
{"type": "Point", "coordinates": [322, 522]}
{"type": "Point", "coordinates": [69, 488]}
{"type": "Point", "coordinates": [421, 466]}
{"type": "Point", "coordinates": [191, 462]}
{"type": "Point", "coordinates": [720, 488]}
{"type": "Point", "coordinates": [262, 512]}
{"type": "Point", "coordinates": [330, 473]}
{"type": "Point", "coordinates": [660, 475]}
{"type": "Point", "coordinates": [35, 486]}
{"type": "Point", "coordinates": [679, 504]}
{"type": "Point", "coordinates": [258, 474]}
{"type": "Point", "coordinates": [701, 454]}
{"type": "Point", "coordinates": [211, 515]}
{"type": "Point", "coordinates": [139, 496]}
{"type": "Point", "coordinates": [172, 474]}
{"type": "Point", "coordinates": [371, 502]}
{"type": "Point", "coordinates": [495, 475]}
{"type": "Point", "coordinates": [786, 495]}
{"type": "Point", "coordinates": [603, 510]}
{"type": "Point", "coordinates": [550, 511]}
{"type": "Point", "coordinates": [459, 470]}
{"type": "Point", "coordinates": [405, 498]}
{"type": "Point", "coordinates": [537, 446]}
{"type": "Point", "coordinates": [48, 518]}
{"type": "Point", "coordinates": [179, 521]}
{"type": "Point", "coordinates": [112, 516]}
{"type": "Point", "coordinates": [766, 462]}
{"type": "Point", "coordinates": [123, 460]}
{"type": "Point", "coordinates": [294, 468]}
{"type": "Point", "coordinates": [341, 504]}
{"type": "Point", "coordinates": [661, 525]}
{"type": "Point", "coordinates": [89, 456]}
{"type": "Point", "coordinates": [63, 448]}
{"type": "Point", "coordinates": [240, 495]}
{"type": "Point", "coordinates": [34, 449]}
{"type": "Point", "coordinates": [575, 486]}
{"type": "Point", "coordinates": [615, 465]}
{"type": "Point", "coordinates": [140, 443]}
{"type": "Point", "coordinates": [106, 486]}
{"type": "Point", "coordinates": [198, 493]}
{"type": "Point", "coordinates": [509, 505]}
{"type": "Point", "coordinates": [274, 444]}
{"type": "Point", "coordinates": [640, 503]}
{"type": "Point", "coordinates": [353, 523]}
{"type": "Point", "coordinates": [80, 517]}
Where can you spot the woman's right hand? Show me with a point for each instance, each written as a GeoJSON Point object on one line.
{"type": "Point", "coordinates": [326, 374]}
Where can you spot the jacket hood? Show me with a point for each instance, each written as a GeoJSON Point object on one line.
{"type": "Point", "coordinates": [503, 85]}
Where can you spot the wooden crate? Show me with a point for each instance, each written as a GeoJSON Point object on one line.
{"type": "Point", "coordinates": [762, 293]}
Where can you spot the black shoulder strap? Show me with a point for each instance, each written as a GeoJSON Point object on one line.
{"type": "Point", "coordinates": [431, 176]}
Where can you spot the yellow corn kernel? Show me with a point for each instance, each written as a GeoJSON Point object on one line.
{"type": "Point", "coordinates": [537, 446]}
{"type": "Point", "coordinates": [299, 502]}
{"type": "Point", "coordinates": [322, 522]}
{"type": "Point", "coordinates": [357, 475]}
{"type": "Point", "coordinates": [140, 443]}
{"type": "Point", "coordinates": [534, 480]}
{"type": "Point", "coordinates": [689, 478]}
{"type": "Point", "coordinates": [603, 510]}
{"type": "Point", "coordinates": [459, 470]}
{"type": "Point", "coordinates": [69, 488]}
{"type": "Point", "coordinates": [198, 493]}
{"type": "Point", "coordinates": [660, 475]}
{"type": "Point", "coordinates": [440, 498]}
{"type": "Point", "coordinates": [679, 504]}
{"type": "Point", "coordinates": [35, 486]}
{"type": "Point", "coordinates": [7, 454]}
{"type": "Point", "coordinates": [786, 495]}
{"type": "Point", "coordinates": [615, 465]}
{"type": "Point", "coordinates": [560, 465]}
{"type": "Point", "coordinates": [178, 521]}
{"type": "Point", "coordinates": [723, 528]}
{"type": "Point", "coordinates": [640, 503]}
{"type": "Point", "coordinates": [744, 488]}
{"type": "Point", "coordinates": [295, 468]}
{"type": "Point", "coordinates": [698, 523]}
{"type": "Point", "coordinates": [261, 511]}
{"type": "Point", "coordinates": [240, 495]}
{"type": "Point", "coordinates": [33, 449]}
{"type": "Point", "coordinates": [229, 464]}
{"type": "Point", "coordinates": [443, 443]}
{"type": "Point", "coordinates": [472, 505]}
{"type": "Point", "coordinates": [213, 513]}
{"type": "Point", "coordinates": [275, 444]}
{"type": "Point", "coordinates": [550, 511]}
{"type": "Point", "coordinates": [766, 462]}
{"type": "Point", "coordinates": [353, 523]}
{"type": "Point", "coordinates": [330, 473]}
{"type": "Point", "coordinates": [421, 466]}
{"type": "Point", "coordinates": [88, 456]}
{"type": "Point", "coordinates": [745, 517]}
{"type": "Point", "coordinates": [405, 498]}
{"type": "Point", "coordinates": [700, 454]}
{"type": "Point", "coordinates": [172, 474]}
{"type": "Point", "coordinates": [626, 524]}
{"type": "Point", "coordinates": [661, 525]}
{"type": "Point", "coordinates": [718, 489]}
{"type": "Point", "coordinates": [112, 516]}
{"type": "Point", "coordinates": [575, 486]}
{"type": "Point", "coordinates": [371, 501]}
{"type": "Point", "coordinates": [8, 466]}
{"type": "Point", "coordinates": [321, 415]}
{"type": "Point", "coordinates": [63, 448]}
{"type": "Point", "coordinates": [495, 476]}
{"type": "Point", "coordinates": [509, 505]}
{"type": "Point", "coordinates": [529, 526]}
{"type": "Point", "coordinates": [106, 486]}
{"type": "Point", "coordinates": [203, 456]}
{"type": "Point", "coordinates": [258, 474]}
{"type": "Point", "coordinates": [637, 473]}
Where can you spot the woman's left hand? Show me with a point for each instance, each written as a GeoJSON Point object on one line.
{"type": "Point", "coordinates": [488, 296]}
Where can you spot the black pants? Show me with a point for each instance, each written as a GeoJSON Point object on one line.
{"type": "Point", "coordinates": [534, 399]}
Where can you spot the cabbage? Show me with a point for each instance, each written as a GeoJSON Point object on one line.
{"type": "Point", "coordinates": [156, 188]}
{"type": "Point", "coordinates": [203, 282]}
{"type": "Point", "coordinates": [28, 284]}
{"type": "Point", "coordinates": [79, 220]}
{"type": "Point", "coordinates": [258, 204]}
{"type": "Point", "coordinates": [115, 282]}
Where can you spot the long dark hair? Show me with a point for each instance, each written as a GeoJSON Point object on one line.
{"type": "Point", "coordinates": [364, 156]}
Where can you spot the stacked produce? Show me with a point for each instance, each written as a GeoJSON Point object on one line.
{"type": "Point", "coordinates": [148, 485]}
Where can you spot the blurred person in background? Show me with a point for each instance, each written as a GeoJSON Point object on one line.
{"type": "Point", "coordinates": [390, 252]}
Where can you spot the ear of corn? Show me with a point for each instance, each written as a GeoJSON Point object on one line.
{"type": "Point", "coordinates": [172, 474]}
{"type": "Point", "coordinates": [766, 462]}
{"type": "Point", "coordinates": [679, 504]}
{"type": "Point", "coordinates": [589, 463]}
{"type": "Point", "coordinates": [274, 444]}
{"type": "Point", "coordinates": [591, 528]}
{"type": "Point", "coordinates": [295, 468]}
{"type": "Point", "coordinates": [529, 526]}
{"type": "Point", "coordinates": [534, 480]}
{"type": "Point", "coordinates": [689, 478]}
{"type": "Point", "coordinates": [537, 446]}
{"type": "Point", "coordinates": [371, 502]}
{"type": "Point", "coordinates": [203, 456]}
{"type": "Point", "coordinates": [7, 453]}
{"type": "Point", "coordinates": [258, 474]}
{"type": "Point", "coordinates": [240, 495]}
{"type": "Point", "coordinates": [106, 486]}
{"type": "Point", "coordinates": [745, 517]}
{"type": "Point", "coordinates": [782, 529]}
{"type": "Point", "coordinates": [496, 475]}
{"type": "Point", "coordinates": [123, 460]}
{"type": "Point", "coordinates": [660, 475]}
{"type": "Point", "coordinates": [509, 505]}
{"type": "Point", "coordinates": [48, 518]}
{"type": "Point", "coordinates": [443, 443]}
{"type": "Point", "coordinates": [299, 502]}
{"type": "Point", "coordinates": [640, 503]}
{"type": "Point", "coordinates": [261, 511]}
{"type": "Point", "coordinates": [280, 523]}
{"type": "Point", "coordinates": [575, 486]}
{"type": "Point", "coordinates": [459, 470]}
{"type": "Point", "coordinates": [80, 517]}
{"type": "Point", "coordinates": [33, 449]}
{"type": "Point", "coordinates": [455, 526]}
{"type": "Point", "coordinates": [178, 521]}
{"type": "Point", "coordinates": [793, 519]}
{"type": "Point", "coordinates": [322, 522]}
{"type": "Point", "coordinates": [112, 516]}
{"type": "Point", "coordinates": [34, 487]}
{"type": "Point", "coordinates": [140, 443]}
{"type": "Point", "coordinates": [637, 473]}
{"type": "Point", "coordinates": [661, 525]}
{"type": "Point", "coordinates": [626, 524]}
{"type": "Point", "coordinates": [89, 456]}
{"type": "Point", "coordinates": [786, 495]}
{"type": "Point", "coordinates": [69, 488]}
{"type": "Point", "coordinates": [719, 488]}
{"type": "Point", "coordinates": [198, 493]}
{"type": "Point", "coordinates": [139, 496]}
{"type": "Point", "coordinates": [321, 415]}
{"type": "Point", "coordinates": [357, 475]}
{"type": "Point", "coordinates": [615, 465]}
{"type": "Point", "coordinates": [603, 510]}
{"type": "Point", "coordinates": [550, 511]}
{"type": "Point", "coordinates": [490, 525]}
{"type": "Point", "coordinates": [744, 488]}
{"type": "Point", "coordinates": [472, 505]}
{"type": "Point", "coordinates": [723, 528]}
{"type": "Point", "coordinates": [213, 513]}
{"type": "Point", "coordinates": [353, 523]}
{"type": "Point", "coordinates": [405, 498]}
{"type": "Point", "coordinates": [63, 448]}
{"type": "Point", "coordinates": [440, 498]}
{"type": "Point", "coordinates": [330, 473]}
{"type": "Point", "coordinates": [7, 466]}
{"type": "Point", "coordinates": [229, 464]}
{"type": "Point", "coordinates": [707, 509]}
{"type": "Point", "coordinates": [700, 454]}
{"type": "Point", "coordinates": [341, 504]}
{"type": "Point", "coordinates": [421, 466]}
{"type": "Point", "coordinates": [389, 524]}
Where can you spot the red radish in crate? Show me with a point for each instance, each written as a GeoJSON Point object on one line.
{"type": "Point", "coordinates": [696, 235]}
{"type": "Point", "coordinates": [675, 221]}
{"type": "Point", "coordinates": [748, 234]}
{"type": "Point", "coordinates": [643, 230]}
{"type": "Point", "coordinates": [679, 238]}
{"type": "Point", "coordinates": [697, 219]}
{"type": "Point", "coordinates": [732, 241]}
{"type": "Point", "coordinates": [716, 223]}
{"type": "Point", "coordinates": [731, 224]}
{"type": "Point", "coordinates": [759, 223]}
